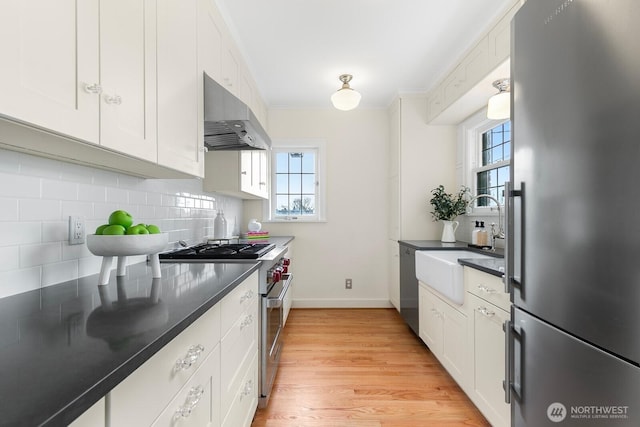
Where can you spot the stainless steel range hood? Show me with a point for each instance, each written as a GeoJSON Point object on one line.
{"type": "Point", "coordinates": [229, 124]}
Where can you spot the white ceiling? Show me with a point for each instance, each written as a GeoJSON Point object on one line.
{"type": "Point", "coordinates": [296, 49]}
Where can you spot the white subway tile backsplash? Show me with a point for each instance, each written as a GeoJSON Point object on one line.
{"type": "Point", "coordinates": [39, 210]}
{"type": "Point", "coordinates": [22, 186]}
{"type": "Point", "coordinates": [59, 190]}
{"type": "Point", "coordinates": [9, 258]}
{"type": "Point", "coordinates": [8, 209]}
{"type": "Point", "coordinates": [17, 281]}
{"type": "Point", "coordinates": [38, 254]}
{"type": "Point", "coordinates": [118, 195]}
{"type": "Point", "coordinates": [84, 209]}
{"type": "Point", "coordinates": [90, 192]}
{"type": "Point", "coordinates": [58, 272]}
{"type": "Point", "coordinates": [19, 233]}
{"type": "Point", "coordinates": [55, 231]}
{"type": "Point", "coordinates": [37, 195]}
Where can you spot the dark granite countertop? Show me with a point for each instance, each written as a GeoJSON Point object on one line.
{"type": "Point", "coordinates": [494, 266]}
{"type": "Point", "coordinates": [60, 353]}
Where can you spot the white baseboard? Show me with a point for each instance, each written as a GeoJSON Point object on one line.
{"type": "Point", "coordinates": [341, 303]}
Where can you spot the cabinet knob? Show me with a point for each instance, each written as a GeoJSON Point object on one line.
{"type": "Point", "coordinates": [486, 312]}
{"type": "Point", "coordinates": [190, 403]}
{"type": "Point", "coordinates": [190, 358]}
{"type": "Point", "coordinates": [94, 88]}
{"type": "Point", "coordinates": [248, 389]}
{"type": "Point", "coordinates": [486, 289]}
{"type": "Point", "coordinates": [113, 99]}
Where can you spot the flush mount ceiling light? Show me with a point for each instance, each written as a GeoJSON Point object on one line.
{"type": "Point", "coordinates": [346, 98]}
{"type": "Point", "coordinates": [499, 106]}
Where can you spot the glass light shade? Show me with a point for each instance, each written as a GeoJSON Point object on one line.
{"type": "Point", "coordinates": [499, 106]}
{"type": "Point", "coordinates": [346, 99]}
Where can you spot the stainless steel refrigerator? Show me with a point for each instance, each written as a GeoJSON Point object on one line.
{"type": "Point", "coordinates": [573, 246]}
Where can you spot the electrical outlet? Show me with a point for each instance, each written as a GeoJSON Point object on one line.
{"type": "Point", "coordinates": [76, 230]}
{"type": "Point", "coordinates": [348, 284]}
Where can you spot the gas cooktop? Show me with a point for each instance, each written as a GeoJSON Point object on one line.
{"type": "Point", "coordinates": [220, 251]}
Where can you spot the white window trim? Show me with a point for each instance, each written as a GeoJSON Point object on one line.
{"type": "Point", "coordinates": [470, 134]}
{"type": "Point", "coordinates": [321, 200]}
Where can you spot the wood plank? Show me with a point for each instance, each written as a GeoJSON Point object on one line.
{"type": "Point", "coordinates": [361, 368]}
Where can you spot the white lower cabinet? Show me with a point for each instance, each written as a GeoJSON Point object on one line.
{"type": "Point", "coordinates": [490, 305]}
{"type": "Point", "coordinates": [443, 327]}
{"type": "Point", "coordinates": [239, 346]}
{"type": "Point", "coordinates": [468, 339]}
{"type": "Point", "coordinates": [206, 376]}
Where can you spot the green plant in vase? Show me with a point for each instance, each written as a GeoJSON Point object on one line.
{"type": "Point", "coordinates": [446, 207]}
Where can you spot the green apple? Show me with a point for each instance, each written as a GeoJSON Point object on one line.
{"type": "Point", "coordinates": [121, 217]}
{"type": "Point", "coordinates": [137, 229]}
{"type": "Point", "coordinates": [153, 229]}
{"type": "Point", "coordinates": [114, 230]}
{"type": "Point", "coordinates": [100, 229]}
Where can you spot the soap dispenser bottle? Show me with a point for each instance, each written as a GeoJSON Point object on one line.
{"type": "Point", "coordinates": [220, 226]}
{"type": "Point", "coordinates": [474, 233]}
{"type": "Point", "coordinates": [482, 235]}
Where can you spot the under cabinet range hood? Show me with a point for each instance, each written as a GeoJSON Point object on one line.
{"type": "Point", "coordinates": [229, 123]}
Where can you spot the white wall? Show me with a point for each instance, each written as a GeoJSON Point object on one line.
{"type": "Point", "coordinates": [37, 195]}
{"type": "Point", "coordinates": [353, 241]}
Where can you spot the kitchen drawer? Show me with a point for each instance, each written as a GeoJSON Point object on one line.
{"type": "Point", "coordinates": [142, 396]}
{"type": "Point", "coordinates": [237, 301]}
{"type": "Point", "coordinates": [244, 400]}
{"type": "Point", "coordinates": [197, 404]}
{"type": "Point", "coordinates": [486, 286]}
{"type": "Point", "coordinates": [237, 347]}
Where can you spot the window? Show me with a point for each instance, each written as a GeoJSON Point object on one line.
{"type": "Point", "coordinates": [494, 170]}
{"type": "Point", "coordinates": [296, 190]}
{"type": "Point", "coordinates": [486, 159]}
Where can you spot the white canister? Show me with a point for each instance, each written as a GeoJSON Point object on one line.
{"type": "Point", "coordinates": [254, 225]}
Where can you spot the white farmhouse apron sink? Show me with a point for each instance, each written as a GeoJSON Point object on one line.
{"type": "Point", "coordinates": [440, 270]}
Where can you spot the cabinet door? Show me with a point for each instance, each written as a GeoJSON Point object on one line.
{"type": "Point", "coordinates": [246, 170]}
{"type": "Point", "coordinates": [180, 145]}
{"type": "Point", "coordinates": [49, 52]}
{"type": "Point", "coordinates": [454, 343]}
{"type": "Point", "coordinates": [431, 319]}
{"type": "Point", "coordinates": [209, 40]}
{"type": "Point", "coordinates": [488, 360]}
{"type": "Point", "coordinates": [259, 173]}
{"type": "Point", "coordinates": [128, 77]}
{"type": "Point", "coordinates": [229, 69]}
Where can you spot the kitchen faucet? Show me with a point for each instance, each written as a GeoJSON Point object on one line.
{"type": "Point", "coordinates": [494, 234]}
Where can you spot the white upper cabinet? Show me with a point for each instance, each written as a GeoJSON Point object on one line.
{"type": "Point", "coordinates": [128, 77]}
{"type": "Point", "coordinates": [180, 135]}
{"type": "Point", "coordinates": [49, 74]}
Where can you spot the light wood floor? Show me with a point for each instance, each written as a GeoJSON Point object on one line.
{"type": "Point", "coordinates": [361, 368]}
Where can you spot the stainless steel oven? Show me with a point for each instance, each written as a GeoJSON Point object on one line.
{"type": "Point", "coordinates": [275, 278]}
{"type": "Point", "coordinates": [272, 320]}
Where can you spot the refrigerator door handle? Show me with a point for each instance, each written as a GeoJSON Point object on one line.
{"type": "Point", "coordinates": [506, 384]}
{"type": "Point", "coordinates": [516, 356]}
{"type": "Point", "coordinates": [510, 277]}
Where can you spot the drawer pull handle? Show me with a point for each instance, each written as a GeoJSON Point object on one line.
{"type": "Point", "coordinates": [248, 320]}
{"type": "Point", "coordinates": [113, 99]}
{"type": "Point", "coordinates": [248, 389]}
{"type": "Point", "coordinates": [486, 312]}
{"type": "Point", "coordinates": [191, 357]}
{"type": "Point", "coordinates": [247, 295]}
{"type": "Point", "coordinates": [487, 290]}
{"type": "Point", "coordinates": [190, 403]}
{"type": "Point", "coordinates": [94, 88]}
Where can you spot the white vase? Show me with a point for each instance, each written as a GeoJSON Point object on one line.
{"type": "Point", "coordinates": [449, 231]}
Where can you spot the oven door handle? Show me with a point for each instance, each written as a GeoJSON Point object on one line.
{"type": "Point", "coordinates": [277, 301]}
